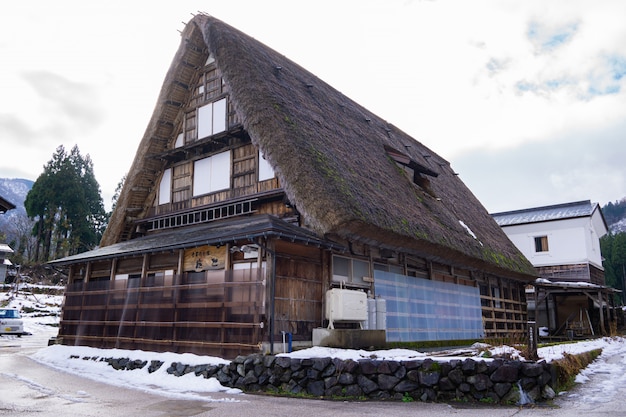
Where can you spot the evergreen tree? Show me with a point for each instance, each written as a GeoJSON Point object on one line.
{"type": "Point", "coordinates": [116, 197]}
{"type": "Point", "coordinates": [613, 247]}
{"type": "Point", "coordinates": [66, 204]}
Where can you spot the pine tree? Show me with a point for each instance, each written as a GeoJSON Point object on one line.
{"type": "Point", "coordinates": [67, 207]}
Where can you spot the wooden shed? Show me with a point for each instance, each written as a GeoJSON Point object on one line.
{"type": "Point", "coordinates": [256, 188]}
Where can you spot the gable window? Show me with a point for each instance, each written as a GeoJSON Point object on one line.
{"type": "Point", "coordinates": [266, 172]}
{"type": "Point", "coordinates": [541, 244]}
{"type": "Point", "coordinates": [211, 174]}
{"type": "Point", "coordinates": [212, 118]}
{"type": "Point", "coordinates": [180, 140]}
{"type": "Point", "coordinates": [165, 187]}
{"type": "Point", "coordinates": [351, 271]}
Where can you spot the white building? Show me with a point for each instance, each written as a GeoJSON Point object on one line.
{"type": "Point", "coordinates": [563, 244]}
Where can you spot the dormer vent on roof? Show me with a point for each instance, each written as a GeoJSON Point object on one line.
{"type": "Point", "coordinates": [414, 170]}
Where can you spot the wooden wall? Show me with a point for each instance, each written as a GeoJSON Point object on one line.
{"type": "Point", "coordinates": [301, 274]}
{"type": "Point", "coordinates": [148, 303]}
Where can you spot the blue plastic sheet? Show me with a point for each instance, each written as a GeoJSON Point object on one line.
{"type": "Point", "coordinates": [423, 310]}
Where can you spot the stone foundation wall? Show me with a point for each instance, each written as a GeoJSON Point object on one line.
{"type": "Point", "coordinates": [494, 381]}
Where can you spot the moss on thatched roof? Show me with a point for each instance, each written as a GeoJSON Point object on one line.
{"type": "Point", "coordinates": [337, 161]}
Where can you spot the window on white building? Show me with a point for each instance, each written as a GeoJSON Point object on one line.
{"type": "Point", "coordinates": [211, 174]}
{"type": "Point", "coordinates": [541, 244]}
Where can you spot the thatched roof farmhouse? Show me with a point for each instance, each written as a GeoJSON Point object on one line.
{"type": "Point", "coordinates": [247, 149]}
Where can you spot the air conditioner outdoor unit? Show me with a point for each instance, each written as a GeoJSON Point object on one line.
{"type": "Point", "coordinates": [346, 306]}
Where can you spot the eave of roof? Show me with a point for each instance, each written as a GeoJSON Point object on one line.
{"type": "Point", "coordinates": [5, 205]}
{"type": "Point", "coordinates": [572, 286]}
{"type": "Point", "coordinates": [216, 233]}
{"type": "Point", "coordinates": [545, 213]}
{"type": "Point", "coordinates": [5, 248]}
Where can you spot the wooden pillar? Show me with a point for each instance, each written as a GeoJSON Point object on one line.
{"type": "Point", "coordinates": [601, 303]}
{"type": "Point", "coordinates": [113, 269]}
{"type": "Point", "coordinates": [536, 297]}
{"type": "Point", "coordinates": [176, 295]}
{"type": "Point", "coordinates": [88, 272]}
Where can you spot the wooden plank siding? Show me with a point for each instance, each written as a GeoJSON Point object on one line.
{"type": "Point", "coordinates": [244, 167]}
{"type": "Point", "coordinates": [299, 290]}
{"type": "Point", "coordinates": [220, 316]}
{"type": "Point", "coordinates": [126, 304]}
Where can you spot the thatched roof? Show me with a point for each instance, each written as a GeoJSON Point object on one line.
{"type": "Point", "coordinates": [336, 160]}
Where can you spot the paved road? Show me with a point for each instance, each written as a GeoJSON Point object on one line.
{"type": "Point", "coordinates": [28, 388]}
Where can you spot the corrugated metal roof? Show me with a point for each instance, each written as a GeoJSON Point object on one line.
{"type": "Point", "coordinates": [219, 232]}
{"type": "Point", "coordinates": [546, 213]}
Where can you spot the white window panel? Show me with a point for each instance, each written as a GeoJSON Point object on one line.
{"type": "Point", "coordinates": [219, 116]}
{"type": "Point", "coordinates": [202, 176]}
{"type": "Point", "coordinates": [165, 187]}
{"type": "Point", "coordinates": [220, 171]}
{"type": "Point", "coordinates": [180, 140]}
{"type": "Point", "coordinates": [212, 118]}
{"type": "Point", "coordinates": [205, 121]}
{"type": "Point", "coordinates": [211, 174]}
{"type": "Point", "coordinates": [266, 171]}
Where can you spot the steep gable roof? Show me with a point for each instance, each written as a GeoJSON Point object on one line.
{"type": "Point", "coordinates": [343, 167]}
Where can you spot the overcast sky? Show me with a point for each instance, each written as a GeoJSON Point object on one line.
{"type": "Point", "coordinates": [526, 99]}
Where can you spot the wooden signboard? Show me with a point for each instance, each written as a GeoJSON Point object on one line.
{"type": "Point", "coordinates": [204, 258]}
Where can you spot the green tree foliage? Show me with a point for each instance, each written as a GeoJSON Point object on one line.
{"type": "Point", "coordinates": [613, 247]}
{"type": "Point", "coordinates": [67, 207]}
{"type": "Point", "coordinates": [116, 196]}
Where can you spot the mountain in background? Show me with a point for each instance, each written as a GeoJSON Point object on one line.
{"type": "Point", "coordinates": [615, 216]}
{"type": "Point", "coordinates": [14, 190]}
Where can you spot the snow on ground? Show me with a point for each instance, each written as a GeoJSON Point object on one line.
{"type": "Point", "coordinates": [186, 386]}
{"type": "Point", "coordinates": [190, 386]}
{"type": "Point", "coordinates": [39, 305]}
{"type": "Point", "coordinates": [612, 361]}
{"type": "Point", "coordinates": [611, 345]}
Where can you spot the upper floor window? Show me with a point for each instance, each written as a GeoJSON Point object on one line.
{"type": "Point", "coordinates": [541, 244]}
{"type": "Point", "coordinates": [165, 187]}
{"type": "Point", "coordinates": [266, 171]}
{"type": "Point", "coordinates": [211, 174]}
{"type": "Point", "coordinates": [212, 118]}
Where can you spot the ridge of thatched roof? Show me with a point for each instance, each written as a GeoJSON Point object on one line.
{"type": "Point", "coordinates": [340, 164]}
